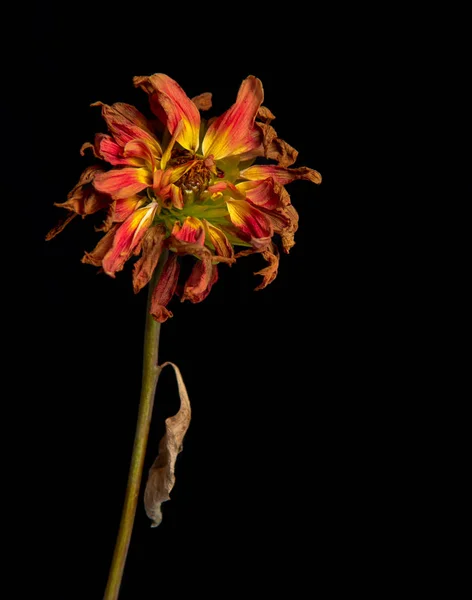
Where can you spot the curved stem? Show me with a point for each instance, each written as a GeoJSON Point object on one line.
{"type": "Point", "coordinates": [148, 387]}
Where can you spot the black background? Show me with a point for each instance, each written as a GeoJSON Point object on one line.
{"type": "Point", "coordinates": [277, 471]}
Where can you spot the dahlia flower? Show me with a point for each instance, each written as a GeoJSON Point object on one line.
{"type": "Point", "coordinates": [187, 185]}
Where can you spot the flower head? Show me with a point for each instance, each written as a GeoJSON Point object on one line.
{"type": "Point", "coordinates": [187, 185]}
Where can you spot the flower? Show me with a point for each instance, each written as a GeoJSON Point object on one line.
{"type": "Point", "coordinates": [189, 186]}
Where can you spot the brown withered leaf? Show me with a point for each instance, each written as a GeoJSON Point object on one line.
{"type": "Point", "coordinates": [161, 477]}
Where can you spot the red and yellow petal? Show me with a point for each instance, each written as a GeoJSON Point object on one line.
{"type": "Point", "coordinates": [280, 175]}
{"type": "Point", "coordinates": [261, 193]}
{"type": "Point", "coordinates": [127, 237]}
{"type": "Point", "coordinates": [165, 289]}
{"type": "Point", "coordinates": [234, 132]}
{"type": "Point", "coordinates": [126, 123]}
{"type": "Point", "coordinates": [172, 105]}
{"type": "Point", "coordinates": [122, 183]}
{"type": "Point", "coordinates": [191, 231]}
{"type": "Point", "coordinates": [177, 197]}
{"type": "Point", "coordinates": [168, 151]}
{"type": "Point", "coordinates": [107, 149]}
{"type": "Point", "coordinates": [218, 240]}
{"type": "Point", "coordinates": [124, 207]}
{"type": "Point", "coordinates": [140, 152]}
{"type": "Point", "coordinates": [227, 188]}
{"type": "Point", "coordinates": [252, 224]}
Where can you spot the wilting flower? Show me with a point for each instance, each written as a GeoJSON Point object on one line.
{"type": "Point", "coordinates": [189, 186]}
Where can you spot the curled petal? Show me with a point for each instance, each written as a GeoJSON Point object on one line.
{"type": "Point", "coordinates": [128, 235]}
{"type": "Point", "coordinates": [151, 251]}
{"type": "Point", "coordinates": [283, 153]}
{"type": "Point", "coordinates": [83, 199]}
{"type": "Point", "coordinates": [107, 149]}
{"type": "Point", "coordinates": [288, 233]}
{"type": "Point", "coordinates": [271, 146]}
{"type": "Point", "coordinates": [269, 273]}
{"type": "Point", "coordinates": [165, 289]}
{"type": "Point", "coordinates": [234, 132]}
{"type": "Point", "coordinates": [218, 239]}
{"type": "Point", "coordinates": [126, 123]}
{"type": "Point", "coordinates": [140, 152]}
{"type": "Point", "coordinates": [275, 148]}
{"type": "Point", "coordinates": [97, 255]}
{"type": "Point", "coordinates": [188, 249]}
{"type": "Point", "coordinates": [191, 231]}
{"type": "Point", "coordinates": [251, 223]}
{"type": "Point", "coordinates": [203, 101]}
{"type": "Point", "coordinates": [200, 282]}
{"type": "Point", "coordinates": [261, 193]}
{"type": "Point", "coordinates": [89, 146]}
{"type": "Point", "coordinates": [280, 175]}
{"type": "Point", "coordinates": [265, 115]}
{"type": "Point", "coordinates": [279, 218]}
{"type": "Point", "coordinates": [171, 105]}
{"type": "Point", "coordinates": [122, 183]}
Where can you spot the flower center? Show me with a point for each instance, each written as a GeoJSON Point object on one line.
{"type": "Point", "coordinates": [195, 179]}
{"type": "Point", "coordinates": [199, 177]}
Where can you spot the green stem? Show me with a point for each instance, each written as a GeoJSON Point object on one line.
{"type": "Point", "coordinates": [148, 388]}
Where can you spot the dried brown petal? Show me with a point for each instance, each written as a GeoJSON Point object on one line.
{"type": "Point", "coordinates": [60, 226]}
{"type": "Point", "coordinates": [151, 248]}
{"type": "Point", "coordinates": [202, 278]}
{"type": "Point", "coordinates": [282, 152]}
{"type": "Point", "coordinates": [97, 255]}
{"type": "Point", "coordinates": [269, 273]}
{"type": "Point", "coordinates": [275, 148]}
{"type": "Point", "coordinates": [265, 114]}
{"type": "Point", "coordinates": [288, 234]}
{"type": "Point", "coordinates": [271, 253]}
{"type": "Point", "coordinates": [165, 289]}
{"type": "Point", "coordinates": [109, 219]}
{"type": "Point", "coordinates": [203, 101]}
{"type": "Point", "coordinates": [161, 477]}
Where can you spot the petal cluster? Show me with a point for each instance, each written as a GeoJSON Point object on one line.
{"type": "Point", "coordinates": [180, 186]}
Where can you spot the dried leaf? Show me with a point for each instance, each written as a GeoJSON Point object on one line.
{"type": "Point", "coordinates": [161, 477]}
